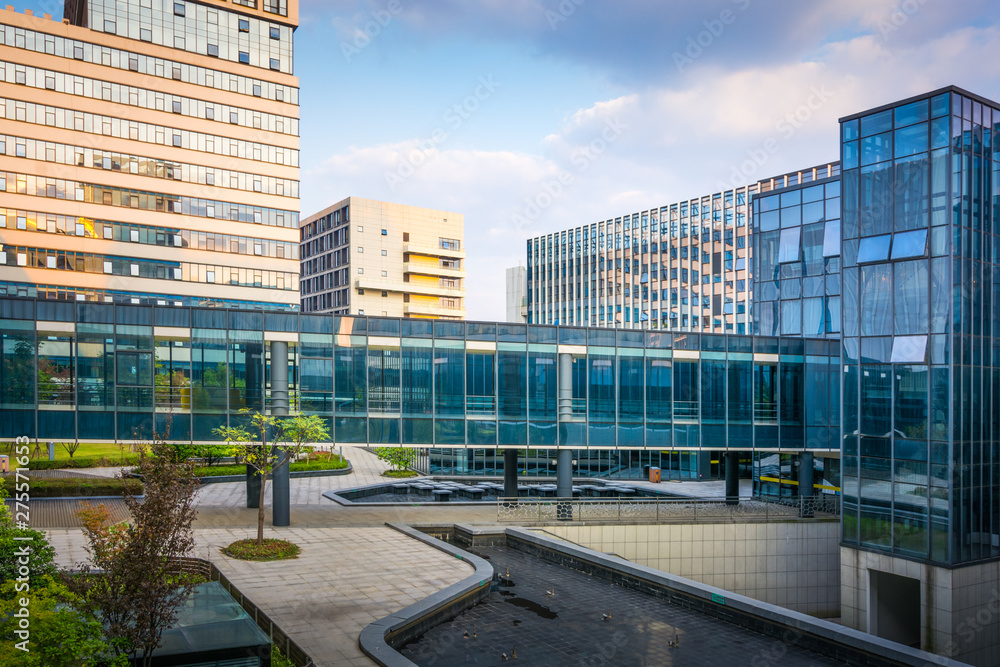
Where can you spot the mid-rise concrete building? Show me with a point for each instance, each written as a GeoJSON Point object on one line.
{"type": "Point", "coordinates": [149, 153]}
{"type": "Point", "coordinates": [367, 257]}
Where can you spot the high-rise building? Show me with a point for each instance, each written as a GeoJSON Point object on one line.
{"type": "Point", "coordinates": [683, 266]}
{"type": "Point", "coordinates": [367, 257]}
{"type": "Point", "coordinates": [150, 153]}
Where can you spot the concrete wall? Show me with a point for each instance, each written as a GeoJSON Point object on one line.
{"type": "Point", "coordinates": [795, 565]}
{"type": "Point", "coordinates": [959, 609]}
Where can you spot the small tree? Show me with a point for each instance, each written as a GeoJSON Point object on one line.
{"type": "Point", "coordinates": [251, 445]}
{"type": "Point", "coordinates": [137, 588]}
{"type": "Point", "coordinates": [400, 458]}
{"type": "Point", "coordinates": [71, 448]}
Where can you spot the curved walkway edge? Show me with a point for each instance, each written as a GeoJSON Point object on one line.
{"type": "Point", "coordinates": [414, 620]}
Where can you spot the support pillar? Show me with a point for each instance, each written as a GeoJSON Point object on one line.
{"type": "Point", "coordinates": [806, 484]}
{"type": "Point", "coordinates": [564, 457]}
{"type": "Point", "coordinates": [732, 478]}
{"type": "Point", "coordinates": [280, 497]}
{"type": "Point", "coordinates": [510, 473]}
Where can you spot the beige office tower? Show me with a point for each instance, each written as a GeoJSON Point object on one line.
{"type": "Point", "coordinates": [150, 153]}
{"type": "Point", "coordinates": [366, 257]}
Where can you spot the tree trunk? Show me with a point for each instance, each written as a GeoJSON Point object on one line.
{"type": "Point", "coordinates": [260, 509]}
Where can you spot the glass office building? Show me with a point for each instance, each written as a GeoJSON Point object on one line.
{"type": "Point", "coordinates": [102, 371]}
{"type": "Point", "coordinates": [683, 266]}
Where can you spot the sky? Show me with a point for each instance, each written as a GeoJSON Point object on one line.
{"type": "Point", "coordinates": [532, 116]}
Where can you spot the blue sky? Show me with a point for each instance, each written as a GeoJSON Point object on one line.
{"type": "Point", "coordinates": [529, 116]}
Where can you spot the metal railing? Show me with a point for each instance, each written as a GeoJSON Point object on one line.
{"type": "Point", "coordinates": [645, 509]}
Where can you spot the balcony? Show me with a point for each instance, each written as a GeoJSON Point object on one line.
{"type": "Point", "coordinates": [408, 288]}
{"type": "Point", "coordinates": [424, 270]}
{"type": "Point", "coordinates": [432, 251]}
{"type": "Point", "coordinates": [432, 310]}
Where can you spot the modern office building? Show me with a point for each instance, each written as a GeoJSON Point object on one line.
{"type": "Point", "coordinates": [367, 257]}
{"type": "Point", "coordinates": [682, 266]}
{"type": "Point", "coordinates": [150, 153]}
{"type": "Point", "coordinates": [517, 295]}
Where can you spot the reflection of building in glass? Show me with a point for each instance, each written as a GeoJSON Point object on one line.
{"type": "Point", "coordinates": [149, 154]}
{"type": "Point", "coordinates": [682, 267]}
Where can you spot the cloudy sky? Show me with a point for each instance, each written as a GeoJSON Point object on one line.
{"type": "Point", "coordinates": [529, 116]}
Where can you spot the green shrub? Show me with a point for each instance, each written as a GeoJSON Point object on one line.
{"type": "Point", "coordinates": [83, 486]}
{"type": "Point", "coordinates": [270, 549]}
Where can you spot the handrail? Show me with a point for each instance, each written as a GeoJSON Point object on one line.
{"type": "Point", "coordinates": [547, 509]}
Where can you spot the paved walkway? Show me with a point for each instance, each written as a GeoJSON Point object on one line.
{"type": "Point", "coordinates": [343, 579]}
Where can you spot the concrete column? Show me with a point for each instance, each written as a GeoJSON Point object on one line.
{"type": "Point", "coordinates": [806, 483]}
{"type": "Point", "coordinates": [732, 478]}
{"type": "Point", "coordinates": [510, 473]}
{"type": "Point", "coordinates": [564, 457]}
{"type": "Point", "coordinates": [280, 498]}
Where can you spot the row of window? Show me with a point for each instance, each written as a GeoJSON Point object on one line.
{"type": "Point", "coordinates": [149, 65]}
{"type": "Point", "coordinates": [91, 294]}
{"type": "Point", "coordinates": [111, 126]}
{"type": "Point", "coordinates": [106, 91]}
{"type": "Point", "coordinates": [61, 260]}
{"type": "Point", "coordinates": [35, 149]}
{"type": "Point", "coordinates": [232, 34]}
{"type": "Point", "coordinates": [58, 188]}
{"type": "Point", "coordinates": [32, 221]}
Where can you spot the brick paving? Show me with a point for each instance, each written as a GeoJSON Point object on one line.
{"type": "Point", "coordinates": [567, 628]}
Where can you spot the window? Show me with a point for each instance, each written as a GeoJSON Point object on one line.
{"type": "Point", "coordinates": [361, 269]}
{"type": "Point", "coordinates": [275, 64]}
{"type": "Point", "coordinates": [145, 34]}
{"type": "Point", "coordinates": [19, 76]}
{"type": "Point", "coordinates": [78, 52]}
{"type": "Point", "coordinates": [275, 32]}
{"type": "Point", "coordinates": [179, 9]}
{"type": "Point", "coordinates": [909, 244]}
{"type": "Point", "coordinates": [107, 267]}
{"type": "Point", "coordinates": [788, 247]}
{"type": "Point", "coordinates": [831, 239]}
{"type": "Point", "coordinates": [360, 228]}
{"type": "Point", "coordinates": [177, 140]}
{"type": "Point", "coordinates": [176, 106]}
{"type": "Point", "coordinates": [384, 253]}
{"type": "Point", "coordinates": [874, 249]}
{"type": "Point", "coordinates": [133, 63]}
{"type": "Point", "coordinates": [213, 50]}
{"type": "Point", "coordinates": [360, 250]}
{"type": "Point", "coordinates": [909, 349]}
{"type": "Point", "coordinates": [210, 112]}
{"type": "Point", "coordinates": [256, 90]}
{"type": "Point", "coordinates": [109, 26]}
{"type": "Point", "coordinates": [245, 57]}
{"type": "Point", "coordinates": [244, 25]}
{"type": "Point", "coordinates": [134, 269]}
{"type": "Point", "coordinates": [210, 276]}
{"type": "Point", "coordinates": [385, 274]}
{"type": "Point", "coordinates": [234, 117]}
{"type": "Point", "coordinates": [175, 73]}
{"type": "Point", "coordinates": [50, 83]}
{"type": "Point", "coordinates": [385, 233]}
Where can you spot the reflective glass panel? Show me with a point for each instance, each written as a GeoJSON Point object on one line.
{"type": "Point", "coordinates": [874, 249]}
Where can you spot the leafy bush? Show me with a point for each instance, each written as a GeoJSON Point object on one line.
{"type": "Point", "coordinates": [400, 458]}
{"type": "Point", "coordinates": [270, 549]}
{"type": "Point", "coordinates": [84, 486]}
{"type": "Point", "coordinates": [240, 469]}
{"type": "Point", "coordinates": [40, 562]}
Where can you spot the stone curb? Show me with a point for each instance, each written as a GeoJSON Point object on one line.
{"type": "Point", "coordinates": [295, 474]}
{"type": "Point", "coordinates": [379, 638]}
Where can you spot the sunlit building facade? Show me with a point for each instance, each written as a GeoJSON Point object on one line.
{"type": "Point", "coordinates": [682, 267]}
{"type": "Point", "coordinates": [149, 153]}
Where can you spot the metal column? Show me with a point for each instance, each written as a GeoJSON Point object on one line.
{"type": "Point", "coordinates": [280, 498]}
{"type": "Point", "coordinates": [732, 478]}
{"type": "Point", "coordinates": [564, 460]}
{"type": "Point", "coordinates": [510, 473]}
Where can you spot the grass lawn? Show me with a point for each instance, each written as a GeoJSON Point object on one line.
{"type": "Point", "coordinates": [336, 463]}
{"type": "Point", "coordinates": [89, 455]}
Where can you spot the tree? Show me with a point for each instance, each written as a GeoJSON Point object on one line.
{"type": "Point", "coordinates": [135, 584]}
{"type": "Point", "coordinates": [250, 445]}
{"type": "Point", "coordinates": [71, 448]}
{"type": "Point", "coordinates": [61, 634]}
{"type": "Point", "coordinates": [400, 458]}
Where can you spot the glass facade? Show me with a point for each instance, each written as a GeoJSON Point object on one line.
{"type": "Point", "coordinates": [105, 370]}
{"type": "Point", "coordinates": [681, 267]}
